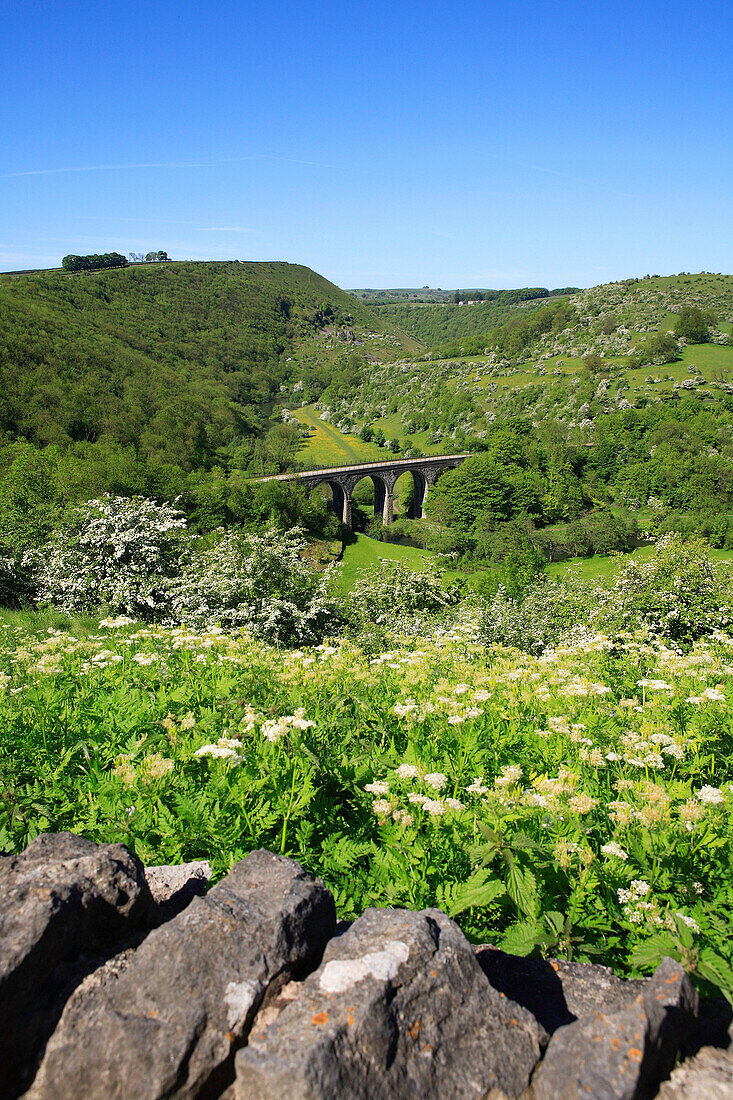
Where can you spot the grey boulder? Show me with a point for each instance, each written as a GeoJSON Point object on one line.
{"type": "Point", "coordinates": [707, 1076]}
{"type": "Point", "coordinates": [622, 1054]}
{"type": "Point", "coordinates": [557, 992]}
{"type": "Point", "coordinates": [62, 900]}
{"type": "Point", "coordinates": [398, 1008]}
{"type": "Point", "coordinates": [165, 1020]}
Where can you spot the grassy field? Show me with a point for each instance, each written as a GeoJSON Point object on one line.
{"type": "Point", "coordinates": [365, 552]}
{"type": "Point", "coordinates": [603, 566]}
{"type": "Point", "coordinates": [327, 446]}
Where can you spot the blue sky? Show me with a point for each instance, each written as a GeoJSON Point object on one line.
{"type": "Point", "coordinates": [383, 144]}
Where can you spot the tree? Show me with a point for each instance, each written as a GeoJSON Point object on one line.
{"type": "Point", "coordinates": [93, 262]}
{"type": "Point", "coordinates": [693, 325]}
{"type": "Point", "coordinates": [660, 348]}
{"type": "Point", "coordinates": [476, 488]}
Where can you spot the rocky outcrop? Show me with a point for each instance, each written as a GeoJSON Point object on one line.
{"type": "Point", "coordinates": [63, 902]}
{"type": "Point", "coordinates": [112, 985]}
{"type": "Point", "coordinates": [166, 1020]}
{"type": "Point", "coordinates": [624, 1052]}
{"type": "Point", "coordinates": [398, 1007]}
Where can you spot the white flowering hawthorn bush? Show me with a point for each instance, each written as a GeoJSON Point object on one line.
{"type": "Point", "coordinates": [576, 803]}
{"type": "Point", "coordinates": [545, 612]}
{"type": "Point", "coordinates": [256, 582]}
{"type": "Point", "coordinates": [390, 593]}
{"type": "Point", "coordinates": [117, 552]}
{"type": "Point", "coordinates": [677, 595]}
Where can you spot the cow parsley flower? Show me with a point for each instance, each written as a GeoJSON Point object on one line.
{"type": "Point", "coordinates": [614, 850]}
{"type": "Point", "coordinates": [711, 796]}
{"type": "Point", "coordinates": [377, 788]}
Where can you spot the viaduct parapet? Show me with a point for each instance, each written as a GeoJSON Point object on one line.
{"type": "Point", "coordinates": [342, 480]}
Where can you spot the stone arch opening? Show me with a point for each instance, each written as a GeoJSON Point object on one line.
{"type": "Point", "coordinates": [336, 499]}
{"type": "Point", "coordinates": [381, 495]}
{"type": "Point", "coordinates": [409, 494]}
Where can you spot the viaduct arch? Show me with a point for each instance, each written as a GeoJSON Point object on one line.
{"type": "Point", "coordinates": [342, 480]}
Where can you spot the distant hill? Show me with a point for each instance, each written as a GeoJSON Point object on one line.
{"type": "Point", "coordinates": [177, 361]}
{"type": "Point", "coordinates": [436, 317]}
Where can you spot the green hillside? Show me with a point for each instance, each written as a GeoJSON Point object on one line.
{"type": "Point", "coordinates": [592, 416]}
{"type": "Point", "coordinates": [181, 380]}
{"type": "Point", "coordinates": [436, 324]}
{"type": "Point", "coordinates": [595, 349]}
{"type": "Point", "coordinates": [176, 361]}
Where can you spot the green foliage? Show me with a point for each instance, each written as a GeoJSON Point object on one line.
{"type": "Point", "coordinates": [94, 262]}
{"type": "Point", "coordinates": [257, 582]}
{"type": "Point", "coordinates": [659, 348]}
{"type": "Point", "coordinates": [576, 805]}
{"type": "Point", "coordinates": [436, 325]}
{"type": "Point", "coordinates": [116, 553]}
{"type": "Point", "coordinates": [392, 594]}
{"type": "Point", "coordinates": [180, 361]}
{"type": "Point", "coordinates": [676, 595]}
{"type": "Point", "coordinates": [693, 324]}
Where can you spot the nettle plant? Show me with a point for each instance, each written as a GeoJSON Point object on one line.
{"type": "Point", "coordinates": [117, 552]}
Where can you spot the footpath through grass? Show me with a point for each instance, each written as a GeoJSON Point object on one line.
{"type": "Point", "coordinates": [327, 446]}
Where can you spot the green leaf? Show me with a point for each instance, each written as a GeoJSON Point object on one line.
{"type": "Point", "coordinates": [714, 969]}
{"type": "Point", "coordinates": [477, 891]}
{"type": "Point", "coordinates": [521, 938]}
{"type": "Point", "coordinates": [521, 886]}
{"type": "Point", "coordinates": [649, 954]}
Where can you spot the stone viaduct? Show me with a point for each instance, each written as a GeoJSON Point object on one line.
{"type": "Point", "coordinates": [342, 481]}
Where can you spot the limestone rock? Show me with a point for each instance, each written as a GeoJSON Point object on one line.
{"type": "Point", "coordinates": [64, 897]}
{"type": "Point", "coordinates": [399, 1007]}
{"type": "Point", "coordinates": [166, 1020]}
{"type": "Point", "coordinates": [623, 1054]}
{"type": "Point", "coordinates": [554, 991]}
{"type": "Point", "coordinates": [173, 887]}
{"type": "Point", "coordinates": [707, 1076]}
{"type": "Point", "coordinates": [167, 881]}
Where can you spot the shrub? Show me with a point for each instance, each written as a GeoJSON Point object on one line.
{"type": "Point", "coordinates": [677, 595]}
{"type": "Point", "coordinates": [538, 617]}
{"type": "Point", "coordinates": [693, 324]}
{"type": "Point", "coordinates": [390, 593]}
{"type": "Point", "coordinates": [118, 553]}
{"type": "Point", "coordinates": [259, 583]}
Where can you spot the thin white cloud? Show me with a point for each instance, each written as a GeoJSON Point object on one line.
{"type": "Point", "coordinates": [161, 164]}
{"type": "Point", "coordinates": [103, 168]}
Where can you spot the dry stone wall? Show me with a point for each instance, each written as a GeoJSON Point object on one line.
{"type": "Point", "coordinates": [118, 981]}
